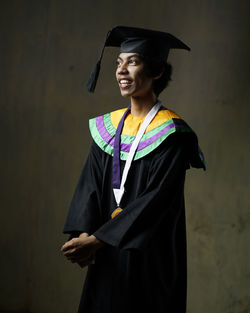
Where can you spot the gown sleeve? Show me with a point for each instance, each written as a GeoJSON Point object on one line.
{"type": "Point", "coordinates": [85, 209]}
{"type": "Point", "coordinates": [160, 202]}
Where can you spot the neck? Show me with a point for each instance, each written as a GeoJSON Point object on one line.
{"type": "Point", "coordinates": [140, 106]}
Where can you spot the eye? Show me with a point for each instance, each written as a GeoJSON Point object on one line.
{"type": "Point", "coordinates": [118, 63]}
{"type": "Point", "coordinates": [133, 61]}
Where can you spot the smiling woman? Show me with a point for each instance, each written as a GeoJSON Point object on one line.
{"type": "Point", "coordinates": [134, 242]}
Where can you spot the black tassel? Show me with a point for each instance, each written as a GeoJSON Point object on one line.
{"type": "Point", "coordinates": [93, 77]}
{"type": "Point", "coordinates": [95, 73]}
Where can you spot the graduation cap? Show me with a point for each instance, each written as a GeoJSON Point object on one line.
{"type": "Point", "coordinates": [146, 42]}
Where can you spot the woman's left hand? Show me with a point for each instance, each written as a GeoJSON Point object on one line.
{"type": "Point", "coordinates": [81, 250]}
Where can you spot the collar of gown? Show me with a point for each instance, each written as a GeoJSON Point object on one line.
{"type": "Point", "coordinates": [165, 123]}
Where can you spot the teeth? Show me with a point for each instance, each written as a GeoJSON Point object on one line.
{"type": "Point", "coordinates": [124, 81]}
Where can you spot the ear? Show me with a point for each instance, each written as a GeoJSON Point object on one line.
{"type": "Point", "coordinates": [158, 76]}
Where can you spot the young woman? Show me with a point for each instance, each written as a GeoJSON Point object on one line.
{"type": "Point", "coordinates": [127, 216]}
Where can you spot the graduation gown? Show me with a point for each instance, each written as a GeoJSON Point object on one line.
{"type": "Point", "coordinates": [142, 267]}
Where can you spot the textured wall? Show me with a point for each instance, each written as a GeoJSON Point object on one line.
{"type": "Point", "coordinates": [48, 48]}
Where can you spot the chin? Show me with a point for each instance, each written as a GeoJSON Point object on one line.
{"type": "Point", "coordinates": [126, 94]}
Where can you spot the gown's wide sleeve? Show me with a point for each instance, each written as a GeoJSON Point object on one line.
{"type": "Point", "coordinates": [85, 208]}
{"type": "Point", "coordinates": [161, 201]}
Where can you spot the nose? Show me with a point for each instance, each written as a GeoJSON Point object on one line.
{"type": "Point", "coordinates": [122, 69]}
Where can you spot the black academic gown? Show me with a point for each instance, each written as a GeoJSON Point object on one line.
{"type": "Point", "coordinates": [142, 268]}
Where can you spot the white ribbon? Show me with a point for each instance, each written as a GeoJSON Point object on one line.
{"type": "Point", "coordinates": [118, 193]}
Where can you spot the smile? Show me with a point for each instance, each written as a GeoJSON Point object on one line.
{"type": "Point", "coordinates": [125, 83]}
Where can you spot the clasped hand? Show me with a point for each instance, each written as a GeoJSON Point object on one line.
{"type": "Point", "coordinates": [81, 250]}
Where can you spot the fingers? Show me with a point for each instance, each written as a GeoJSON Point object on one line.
{"type": "Point", "coordinates": [70, 253]}
{"type": "Point", "coordinates": [68, 245]}
{"type": "Point", "coordinates": [90, 258]}
{"type": "Point", "coordinates": [75, 255]}
{"type": "Point", "coordinates": [79, 250]}
{"type": "Point", "coordinates": [84, 264]}
{"type": "Point", "coordinates": [79, 257]}
{"type": "Point", "coordinates": [71, 244]}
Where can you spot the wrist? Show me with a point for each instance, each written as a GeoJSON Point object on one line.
{"type": "Point", "coordinates": [83, 235]}
{"type": "Point", "coordinates": [97, 242]}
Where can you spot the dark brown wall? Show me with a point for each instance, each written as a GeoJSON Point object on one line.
{"type": "Point", "coordinates": [48, 49]}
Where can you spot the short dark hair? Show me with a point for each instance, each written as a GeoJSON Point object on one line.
{"type": "Point", "coordinates": [156, 67]}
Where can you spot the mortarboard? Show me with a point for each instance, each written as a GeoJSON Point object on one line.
{"type": "Point", "coordinates": [146, 42]}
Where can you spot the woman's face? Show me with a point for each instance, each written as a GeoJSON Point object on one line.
{"type": "Point", "coordinates": [131, 76]}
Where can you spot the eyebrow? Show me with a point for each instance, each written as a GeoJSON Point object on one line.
{"type": "Point", "coordinates": [129, 57]}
